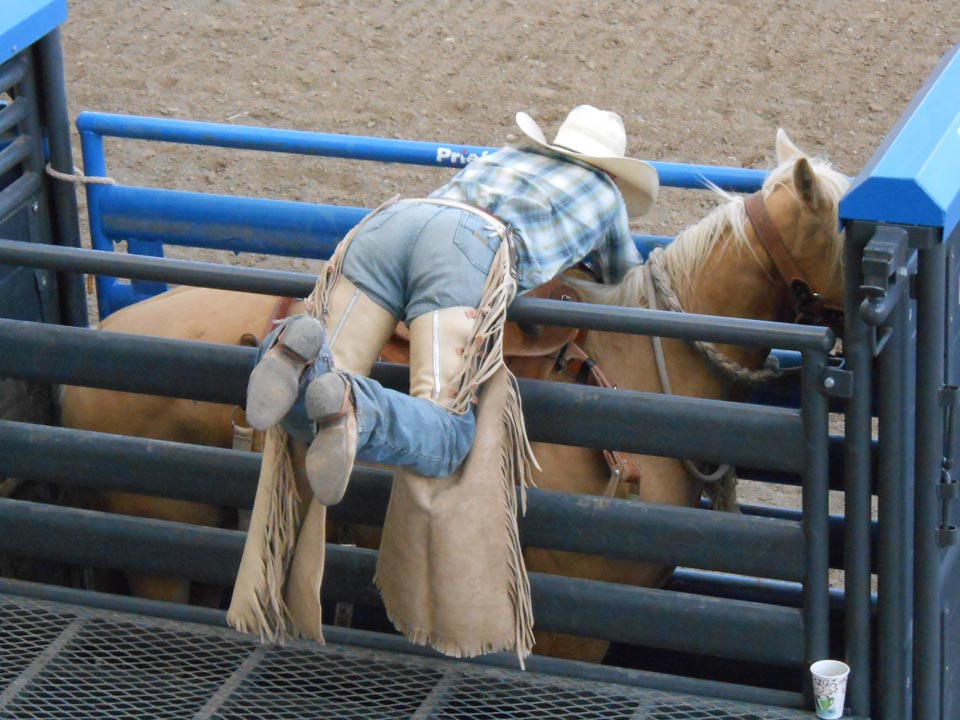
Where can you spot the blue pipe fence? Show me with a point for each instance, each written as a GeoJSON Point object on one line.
{"type": "Point", "coordinates": [149, 218]}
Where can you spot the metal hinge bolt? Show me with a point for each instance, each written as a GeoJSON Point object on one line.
{"type": "Point", "coordinates": [837, 382]}
{"type": "Point", "coordinates": [948, 490]}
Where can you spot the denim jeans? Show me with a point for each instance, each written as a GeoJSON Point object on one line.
{"type": "Point", "coordinates": [414, 258]}
{"type": "Point", "coordinates": [392, 427]}
{"type": "Point", "coordinates": [410, 259]}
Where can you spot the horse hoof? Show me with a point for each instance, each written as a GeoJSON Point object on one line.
{"type": "Point", "coordinates": [275, 380]}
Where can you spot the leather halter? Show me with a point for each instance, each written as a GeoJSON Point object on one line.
{"type": "Point", "coordinates": [808, 307]}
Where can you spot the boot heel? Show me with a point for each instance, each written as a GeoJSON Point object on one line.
{"type": "Point", "coordinates": [327, 396]}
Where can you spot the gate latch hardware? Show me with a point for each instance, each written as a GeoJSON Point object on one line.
{"type": "Point", "coordinates": [887, 265]}
{"type": "Point", "coordinates": [836, 382]}
{"type": "Point", "coordinates": [948, 490]}
{"type": "Point", "coordinates": [883, 255]}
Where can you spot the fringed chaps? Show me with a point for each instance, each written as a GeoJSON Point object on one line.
{"type": "Point", "coordinates": [450, 568]}
{"type": "Point", "coordinates": [277, 591]}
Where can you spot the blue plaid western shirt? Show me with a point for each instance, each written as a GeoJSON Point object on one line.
{"type": "Point", "coordinates": [561, 210]}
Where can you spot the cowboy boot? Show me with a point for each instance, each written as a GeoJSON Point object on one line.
{"type": "Point", "coordinates": [359, 330]}
{"type": "Point", "coordinates": [291, 349]}
{"type": "Point", "coordinates": [329, 460]}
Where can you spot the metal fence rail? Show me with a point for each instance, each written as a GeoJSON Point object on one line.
{"type": "Point", "coordinates": [715, 431]}
{"type": "Point", "coordinates": [724, 431]}
{"type": "Point", "coordinates": [628, 530]}
{"type": "Point", "coordinates": [359, 147]}
{"type": "Point", "coordinates": [149, 218]}
{"type": "Point", "coordinates": [581, 607]}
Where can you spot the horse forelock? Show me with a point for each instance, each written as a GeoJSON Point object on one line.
{"type": "Point", "coordinates": [686, 255]}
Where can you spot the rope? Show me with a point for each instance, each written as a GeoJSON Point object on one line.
{"type": "Point", "coordinates": [722, 471]}
{"type": "Point", "coordinates": [78, 178]}
{"type": "Point", "coordinates": [721, 484]}
{"type": "Point", "coordinates": [659, 280]}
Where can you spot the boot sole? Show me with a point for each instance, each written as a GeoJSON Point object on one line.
{"type": "Point", "coordinates": [329, 460]}
{"type": "Point", "coordinates": [275, 380]}
{"type": "Point", "coordinates": [325, 398]}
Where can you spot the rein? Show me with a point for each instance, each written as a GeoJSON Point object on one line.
{"type": "Point", "coordinates": [659, 280]}
{"type": "Point", "coordinates": [573, 361]}
{"type": "Point", "coordinates": [724, 476]}
{"type": "Point", "coordinates": [809, 307]}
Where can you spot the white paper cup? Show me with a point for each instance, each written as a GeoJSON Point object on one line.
{"type": "Point", "coordinates": [829, 687]}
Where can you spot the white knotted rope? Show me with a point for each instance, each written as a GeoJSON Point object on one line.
{"type": "Point", "coordinates": [78, 178]}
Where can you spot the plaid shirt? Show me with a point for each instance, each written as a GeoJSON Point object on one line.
{"type": "Point", "coordinates": [561, 210]}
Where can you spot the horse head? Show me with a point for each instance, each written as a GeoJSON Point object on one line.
{"type": "Point", "coordinates": [724, 265]}
{"type": "Point", "coordinates": [800, 199]}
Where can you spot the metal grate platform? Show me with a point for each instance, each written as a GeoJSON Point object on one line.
{"type": "Point", "coordinates": [65, 661]}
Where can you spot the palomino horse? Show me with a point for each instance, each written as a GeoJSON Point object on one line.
{"type": "Point", "coordinates": [718, 267]}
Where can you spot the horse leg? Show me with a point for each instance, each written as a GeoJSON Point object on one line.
{"type": "Point", "coordinates": [570, 647]}
{"type": "Point", "coordinates": [169, 589]}
{"type": "Point", "coordinates": [581, 471]}
{"type": "Point", "coordinates": [159, 588]}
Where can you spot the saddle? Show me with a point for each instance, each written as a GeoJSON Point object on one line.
{"type": "Point", "coordinates": [519, 340]}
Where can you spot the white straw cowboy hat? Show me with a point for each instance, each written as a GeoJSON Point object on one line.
{"type": "Point", "coordinates": [597, 137]}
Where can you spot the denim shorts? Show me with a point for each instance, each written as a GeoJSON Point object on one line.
{"type": "Point", "coordinates": [413, 258]}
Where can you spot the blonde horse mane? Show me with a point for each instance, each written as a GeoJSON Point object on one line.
{"type": "Point", "coordinates": [684, 257]}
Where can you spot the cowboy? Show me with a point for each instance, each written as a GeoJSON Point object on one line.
{"type": "Point", "coordinates": [447, 265]}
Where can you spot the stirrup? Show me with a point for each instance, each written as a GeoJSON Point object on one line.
{"type": "Point", "coordinates": [274, 382]}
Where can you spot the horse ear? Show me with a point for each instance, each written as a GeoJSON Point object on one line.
{"type": "Point", "coordinates": [807, 185]}
{"type": "Point", "coordinates": [786, 150]}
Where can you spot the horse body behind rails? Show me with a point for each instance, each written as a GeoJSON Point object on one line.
{"type": "Point", "coordinates": [716, 267]}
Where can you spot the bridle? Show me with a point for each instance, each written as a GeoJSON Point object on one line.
{"type": "Point", "coordinates": [808, 306]}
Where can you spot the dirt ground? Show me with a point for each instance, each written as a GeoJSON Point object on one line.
{"type": "Point", "coordinates": [704, 81]}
